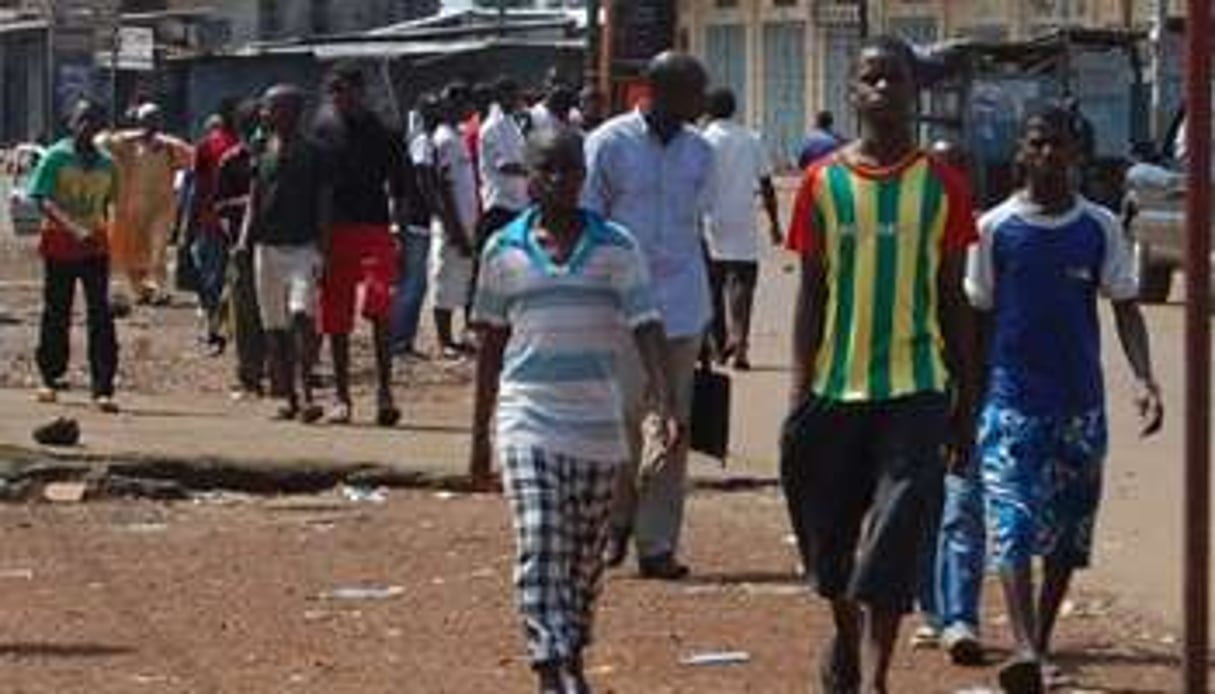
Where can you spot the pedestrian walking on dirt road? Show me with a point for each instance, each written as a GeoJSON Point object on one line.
{"type": "Point", "coordinates": [366, 165]}
{"type": "Point", "coordinates": [743, 172]}
{"type": "Point", "coordinates": [289, 207]}
{"type": "Point", "coordinates": [243, 317]}
{"type": "Point", "coordinates": [211, 230]}
{"type": "Point", "coordinates": [147, 160]}
{"type": "Point", "coordinates": [1044, 256]}
{"type": "Point", "coordinates": [953, 560]}
{"type": "Point", "coordinates": [560, 291]}
{"type": "Point", "coordinates": [882, 335]}
{"type": "Point", "coordinates": [651, 172]}
{"type": "Point", "coordinates": [453, 245]}
{"type": "Point", "coordinates": [74, 187]}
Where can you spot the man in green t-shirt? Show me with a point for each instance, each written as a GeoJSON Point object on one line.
{"type": "Point", "coordinates": [74, 186]}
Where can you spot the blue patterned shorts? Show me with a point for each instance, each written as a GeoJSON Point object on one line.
{"type": "Point", "coordinates": [1042, 477]}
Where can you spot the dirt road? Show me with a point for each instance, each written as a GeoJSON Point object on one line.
{"type": "Point", "coordinates": [236, 596]}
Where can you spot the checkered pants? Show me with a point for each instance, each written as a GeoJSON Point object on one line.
{"type": "Point", "coordinates": [561, 507]}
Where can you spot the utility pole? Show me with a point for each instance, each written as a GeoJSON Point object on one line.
{"type": "Point", "coordinates": [1158, 39]}
{"type": "Point", "coordinates": [1197, 535]}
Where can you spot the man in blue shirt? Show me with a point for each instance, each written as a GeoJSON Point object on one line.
{"type": "Point", "coordinates": [651, 172]}
{"type": "Point", "coordinates": [820, 142]}
{"type": "Point", "coordinates": [1043, 257]}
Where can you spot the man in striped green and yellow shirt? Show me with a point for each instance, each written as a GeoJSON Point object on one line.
{"type": "Point", "coordinates": [881, 341]}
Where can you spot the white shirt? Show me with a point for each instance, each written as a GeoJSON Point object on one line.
{"type": "Point", "coordinates": [659, 193]}
{"type": "Point", "coordinates": [542, 118]}
{"type": "Point", "coordinates": [740, 162]}
{"type": "Point", "coordinates": [501, 144]}
{"type": "Point", "coordinates": [456, 168]}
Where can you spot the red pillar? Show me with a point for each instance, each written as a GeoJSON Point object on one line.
{"type": "Point", "coordinates": [1198, 347]}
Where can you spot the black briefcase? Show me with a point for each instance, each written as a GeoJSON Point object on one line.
{"type": "Point", "coordinates": [711, 413]}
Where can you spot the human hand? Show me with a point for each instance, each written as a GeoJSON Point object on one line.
{"type": "Point", "coordinates": [1150, 408]}
{"type": "Point", "coordinates": [778, 238]}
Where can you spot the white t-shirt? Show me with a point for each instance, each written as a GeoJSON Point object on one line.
{"type": "Point", "coordinates": [739, 162]}
{"type": "Point", "coordinates": [542, 118]}
{"type": "Point", "coordinates": [456, 168]}
{"type": "Point", "coordinates": [501, 144]}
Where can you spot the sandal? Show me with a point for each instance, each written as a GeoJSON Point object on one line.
{"type": "Point", "coordinates": [387, 416]}
{"type": "Point", "coordinates": [1053, 677]}
{"type": "Point", "coordinates": [286, 413]}
{"type": "Point", "coordinates": [311, 413]}
{"type": "Point", "coordinates": [340, 414]}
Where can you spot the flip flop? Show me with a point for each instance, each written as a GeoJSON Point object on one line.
{"type": "Point", "coordinates": [286, 413]}
{"type": "Point", "coordinates": [340, 414]}
{"type": "Point", "coordinates": [387, 416]}
{"type": "Point", "coordinates": [1053, 677]}
{"type": "Point", "coordinates": [311, 414]}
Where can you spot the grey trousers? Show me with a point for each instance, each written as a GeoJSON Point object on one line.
{"type": "Point", "coordinates": [649, 498]}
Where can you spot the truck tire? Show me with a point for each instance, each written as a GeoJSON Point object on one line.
{"type": "Point", "coordinates": [1155, 278]}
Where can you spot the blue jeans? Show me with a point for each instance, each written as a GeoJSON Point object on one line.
{"type": "Point", "coordinates": [411, 291]}
{"type": "Point", "coordinates": [210, 252]}
{"type": "Point", "coordinates": [953, 566]}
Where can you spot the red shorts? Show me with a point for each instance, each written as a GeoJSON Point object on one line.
{"type": "Point", "coordinates": [359, 254]}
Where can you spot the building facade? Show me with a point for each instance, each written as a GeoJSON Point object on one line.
{"type": "Point", "coordinates": [788, 59]}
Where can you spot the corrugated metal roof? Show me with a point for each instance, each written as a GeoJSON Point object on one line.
{"type": "Point", "coordinates": [20, 25]}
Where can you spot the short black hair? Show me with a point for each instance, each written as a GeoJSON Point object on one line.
{"type": "Point", "coordinates": [895, 46]}
{"type": "Point", "coordinates": [346, 72]}
{"type": "Point", "coordinates": [1053, 114]}
{"type": "Point", "coordinates": [505, 86]}
{"type": "Point", "coordinates": [85, 107]}
{"type": "Point", "coordinates": [562, 98]}
{"type": "Point", "coordinates": [721, 103]}
{"type": "Point", "coordinates": [824, 120]}
{"type": "Point", "coordinates": [545, 140]}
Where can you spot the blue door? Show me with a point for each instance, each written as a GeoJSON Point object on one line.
{"type": "Point", "coordinates": [784, 118]}
{"type": "Point", "coordinates": [726, 58]}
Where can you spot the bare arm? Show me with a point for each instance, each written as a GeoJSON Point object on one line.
{"type": "Point", "coordinates": [768, 192]}
{"type": "Point", "coordinates": [246, 225]}
{"type": "Point", "coordinates": [651, 341]}
{"type": "Point", "coordinates": [58, 216]}
{"type": "Point", "coordinates": [961, 347]}
{"type": "Point", "coordinates": [1136, 345]}
{"type": "Point", "coordinates": [809, 311]}
{"type": "Point", "coordinates": [489, 370]}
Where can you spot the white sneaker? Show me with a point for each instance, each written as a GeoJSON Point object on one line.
{"type": "Point", "coordinates": [961, 642]}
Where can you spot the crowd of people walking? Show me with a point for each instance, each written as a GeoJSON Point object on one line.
{"type": "Point", "coordinates": [944, 362]}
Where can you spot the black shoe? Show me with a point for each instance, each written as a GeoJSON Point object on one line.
{"type": "Point", "coordinates": [839, 669]}
{"type": "Point", "coordinates": [1022, 675]}
{"type": "Point", "coordinates": [662, 567]}
{"type": "Point", "coordinates": [617, 549]}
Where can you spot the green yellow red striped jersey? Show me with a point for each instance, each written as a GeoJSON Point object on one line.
{"type": "Point", "coordinates": [881, 235]}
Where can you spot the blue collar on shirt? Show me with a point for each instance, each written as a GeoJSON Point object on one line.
{"type": "Point", "coordinates": [595, 232]}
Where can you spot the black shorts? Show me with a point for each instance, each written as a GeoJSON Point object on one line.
{"type": "Point", "coordinates": [862, 482]}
